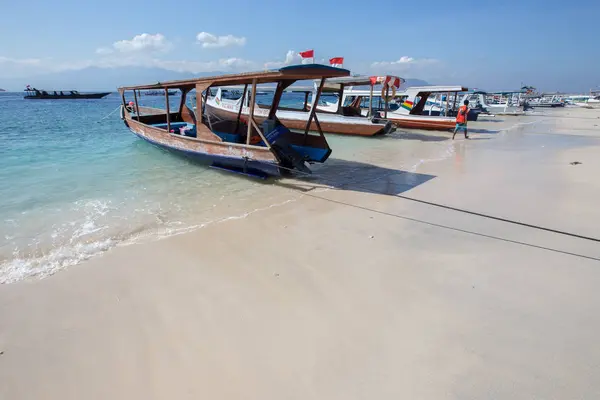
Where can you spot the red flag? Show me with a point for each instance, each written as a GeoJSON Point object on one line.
{"type": "Point", "coordinates": [307, 54]}
{"type": "Point", "coordinates": [336, 62]}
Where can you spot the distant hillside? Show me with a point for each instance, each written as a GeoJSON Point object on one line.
{"type": "Point", "coordinates": [98, 79]}
{"type": "Point", "coordinates": [109, 79]}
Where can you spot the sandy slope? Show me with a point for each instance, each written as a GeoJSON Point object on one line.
{"type": "Point", "coordinates": [345, 293]}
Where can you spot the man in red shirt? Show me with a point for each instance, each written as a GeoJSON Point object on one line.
{"type": "Point", "coordinates": [461, 119]}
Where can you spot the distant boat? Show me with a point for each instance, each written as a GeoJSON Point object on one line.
{"type": "Point", "coordinates": [33, 93]}
{"type": "Point", "coordinates": [159, 93]}
{"type": "Point", "coordinates": [2, 90]}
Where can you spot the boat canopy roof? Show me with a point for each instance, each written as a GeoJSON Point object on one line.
{"type": "Point", "coordinates": [339, 83]}
{"type": "Point", "coordinates": [293, 73]}
{"type": "Point", "coordinates": [436, 89]}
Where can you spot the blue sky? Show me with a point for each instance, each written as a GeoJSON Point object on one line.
{"type": "Point", "coordinates": [550, 44]}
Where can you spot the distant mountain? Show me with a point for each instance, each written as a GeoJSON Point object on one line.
{"type": "Point", "coordinates": [109, 79]}
{"type": "Point", "coordinates": [99, 79]}
{"type": "Point", "coordinates": [415, 82]}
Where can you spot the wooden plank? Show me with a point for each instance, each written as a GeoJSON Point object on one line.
{"type": "Point", "coordinates": [260, 133]}
{"type": "Point", "coordinates": [168, 110]}
{"type": "Point", "coordinates": [251, 113]}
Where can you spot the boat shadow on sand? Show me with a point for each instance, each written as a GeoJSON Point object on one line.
{"type": "Point", "coordinates": [357, 177]}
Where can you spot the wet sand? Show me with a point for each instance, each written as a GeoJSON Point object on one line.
{"type": "Point", "coordinates": [373, 279]}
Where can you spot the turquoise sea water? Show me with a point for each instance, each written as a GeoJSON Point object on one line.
{"type": "Point", "coordinates": [74, 183]}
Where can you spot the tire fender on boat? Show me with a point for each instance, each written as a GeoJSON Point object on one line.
{"type": "Point", "coordinates": [393, 92]}
{"type": "Point", "coordinates": [122, 112]}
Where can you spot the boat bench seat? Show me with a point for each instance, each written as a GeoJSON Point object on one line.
{"type": "Point", "coordinates": [174, 126]}
{"type": "Point", "coordinates": [229, 137]}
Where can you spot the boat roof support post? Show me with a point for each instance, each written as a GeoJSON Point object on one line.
{"type": "Point", "coordinates": [184, 93]}
{"type": "Point", "coordinates": [305, 106]}
{"type": "Point", "coordinates": [371, 102]}
{"type": "Point", "coordinates": [137, 108]}
{"type": "Point", "coordinates": [206, 93]}
{"type": "Point", "coordinates": [454, 102]}
{"type": "Point", "coordinates": [199, 103]}
{"type": "Point", "coordinates": [341, 98]}
{"type": "Point", "coordinates": [168, 110]}
{"type": "Point", "coordinates": [281, 86]}
{"type": "Point", "coordinates": [251, 112]}
{"type": "Point", "coordinates": [387, 92]}
{"type": "Point", "coordinates": [447, 104]}
{"type": "Point", "coordinates": [237, 122]}
{"type": "Point", "coordinates": [313, 109]}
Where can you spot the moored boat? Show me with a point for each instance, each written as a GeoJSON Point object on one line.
{"type": "Point", "coordinates": [410, 112]}
{"type": "Point", "coordinates": [338, 119]}
{"type": "Point", "coordinates": [33, 93]}
{"type": "Point", "coordinates": [242, 144]}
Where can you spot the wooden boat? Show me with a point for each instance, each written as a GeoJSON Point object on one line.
{"type": "Point", "coordinates": [33, 93]}
{"type": "Point", "coordinates": [159, 93]}
{"type": "Point", "coordinates": [242, 144]}
{"type": "Point", "coordinates": [413, 102]}
{"type": "Point", "coordinates": [339, 120]}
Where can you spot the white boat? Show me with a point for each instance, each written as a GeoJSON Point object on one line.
{"type": "Point", "coordinates": [499, 103]}
{"type": "Point", "coordinates": [413, 104]}
{"type": "Point", "coordinates": [594, 102]}
{"type": "Point", "coordinates": [334, 119]}
{"type": "Point", "coordinates": [419, 107]}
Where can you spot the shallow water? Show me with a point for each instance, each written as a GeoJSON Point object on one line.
{"type": "Point", "coordinates": [74, 184]}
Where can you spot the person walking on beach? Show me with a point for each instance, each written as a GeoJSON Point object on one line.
{"type": "Point", "coordinates": [461, 119]}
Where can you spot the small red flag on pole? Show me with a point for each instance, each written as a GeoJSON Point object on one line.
{"type": "Point", "coordinates": [336, 62]}
{"type": "Point", "coordinates": [308, 56]}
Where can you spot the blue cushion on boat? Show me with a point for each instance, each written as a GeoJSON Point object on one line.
{"type": "Point", "coordinates": [275, 133]}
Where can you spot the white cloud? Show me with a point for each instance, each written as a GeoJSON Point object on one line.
{"type": "Point", "coordinates": [104, 51]}
{"type": "Point", "coordinates": [224, 64]}
{"type": "Point", "coordinates": [208, 40]}
{"type": "Point", "coordinates": [404, 61]}
{"type": "Point", "coordinates": [144, 43]}
{"type": "Point", "coordinates": [291, 57]}
{"type": "Point", "coordinates": [20, 61]}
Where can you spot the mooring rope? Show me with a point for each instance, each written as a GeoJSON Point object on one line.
{"type": "Point", "coordinates": [109, 114]}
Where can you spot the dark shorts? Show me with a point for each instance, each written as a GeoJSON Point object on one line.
{"type": "Point", "coordinates": [461, 127]}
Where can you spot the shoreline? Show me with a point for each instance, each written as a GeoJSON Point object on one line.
{"type": "Point", "coordinates": [347, 292]}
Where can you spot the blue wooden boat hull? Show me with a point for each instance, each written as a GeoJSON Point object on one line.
{"type": "Point", "coordinates": [223, 162]}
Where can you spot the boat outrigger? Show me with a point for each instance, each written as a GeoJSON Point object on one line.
{"type": "Point", "coordinates": [239, 145]}
{"type": "Point", "coordinates": [335, 119]}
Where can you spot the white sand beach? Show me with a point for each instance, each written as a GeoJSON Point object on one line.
{"type": "Point", "coordinates": [378, 278]}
